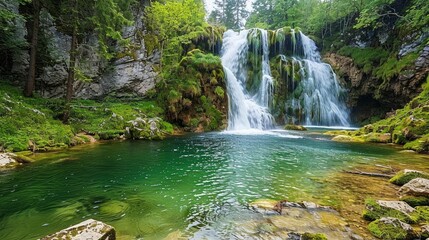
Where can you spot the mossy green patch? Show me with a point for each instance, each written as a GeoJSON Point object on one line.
{"type": "Point", "coordinates": [365, 58]}
{"type": "Point", "coordinates": [416, 201]}
{"type": "Point", "coordinates": [409, 126]}
{"type": "Point", "coordinates": [295, 127]}
{"type": "Point", "coordinates": [387, 231]}
{"type": "Point", "coordinates": [373, 211]}
{"type": "Point", "coordinates": [33, 123]}
{"type": "Point", "coordinates": [314, 236]}
{"type": "Point", "coordinates": [193, 92]}
{"type": "Point", "coordinates": [28, 124]}
{"type": "Point", "coordinates": [405, 176]}
{"type": "Point", "coordinates": [422, 214]}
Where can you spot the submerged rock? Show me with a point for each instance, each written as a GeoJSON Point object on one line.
{"type": "Point", "coordinates": [407, 175]}
{"type": "Point", "coordinates": [392, 228]}
{"type": "Point", "coordinates": [89, 229]}
{"type": "Point", "coordinates": [306, 220]}
{"type": "Point", "coordinates": [416, 187]}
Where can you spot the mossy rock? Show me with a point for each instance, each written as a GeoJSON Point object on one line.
{"type": "Point", "coordinates": [421, 214]}
{"type": "Point", "coordinates": [419, 145]}
{"type": "Point", "coordinates": [295, 127]}
{"type": "Point", "coordinates": [392, 229]}
{"type": "Point", "coordinates": [416, 201]}
{"type": "Point", "coordinates": [374, 211]}
{"type": "Point", "coordinates": [378, 137]}
{"type": "Point", "coordinates": [346, 138]}
{"type": "Point", "coordinates": [407, 175]}
{"type": "Point", "coordinates": [314, 236]}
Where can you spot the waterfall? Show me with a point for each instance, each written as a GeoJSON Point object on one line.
{"type": "Point", "coordinates": [277, 77]}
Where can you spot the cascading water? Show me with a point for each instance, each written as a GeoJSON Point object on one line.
{"type": "Point", "coordinates": [278, 77]}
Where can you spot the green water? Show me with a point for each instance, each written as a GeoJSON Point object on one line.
{"type": "Point", "coordinates": [147, 189]}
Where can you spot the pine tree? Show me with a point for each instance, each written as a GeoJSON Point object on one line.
{"type": "Point", "coordinates": [230, 13]}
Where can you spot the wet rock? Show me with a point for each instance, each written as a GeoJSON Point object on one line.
{"type": "Point", "coordinates": [407, 175]}
{"type": "Point", "coordinates": [265, 206]}
{"type": "Point", "coordinates": [7, 160]}
{"type": "Point", "coordinates": [392, 228]}
{"type": "Point", "coordinates": [295, 127]}
{"type": "Point", "coordinates": [89, 229]}
{"type": "Point", "coordinates": [416, 187]}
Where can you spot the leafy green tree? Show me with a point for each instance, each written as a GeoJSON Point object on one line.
{"type": "Point", "coordinates": [173, 19]}
{"type": "Point", "coordinates": [78, 18]}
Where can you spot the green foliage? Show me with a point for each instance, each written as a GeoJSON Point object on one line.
{"type": "Point", "coordinates": [229, 13]}
{"type": "Point", "coordinates": [110, 119]}
{"type": "Point", "coordinates": [31, 123]}
{"type": "Point", "coordinates": [194, 91]}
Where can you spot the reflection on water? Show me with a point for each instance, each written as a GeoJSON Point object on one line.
{"type": "Point", "coordinates": [151, 188]}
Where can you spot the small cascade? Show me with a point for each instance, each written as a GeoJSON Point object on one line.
{"type": "Point", "coordinates": [277, 77]}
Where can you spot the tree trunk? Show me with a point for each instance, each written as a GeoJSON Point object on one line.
{"type": "Point", "coordinates": [70, 76]}
{"type": "Point", "coordinates": [31, 79]}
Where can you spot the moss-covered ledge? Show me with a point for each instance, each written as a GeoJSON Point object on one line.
{"type": "Point", "coordinates": [408, 126]}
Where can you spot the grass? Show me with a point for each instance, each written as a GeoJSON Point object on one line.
{"type": "Point", "coordinates": [34, 123]}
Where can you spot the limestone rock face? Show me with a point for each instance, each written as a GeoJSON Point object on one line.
{"type": "Point", "coordinates": [416, 187]}
{"type": "Point", "coordinates": [368, 96]}
{"type": "Point", "coordinates": [89, 229]}
{"type": "Point", "coordinates": [131, 74]}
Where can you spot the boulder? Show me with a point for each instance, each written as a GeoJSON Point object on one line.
{"type": "Point", "coordinates": [346, 138]}
{"type": "Point", "coordinates": [295, 127]}
{"type": "Point", "coordinates": [416, 187]}
{"type": "Point", "coordinates": [397, 205]}
{"type": "Point", "coordinates": [392, 228]}
{"type": "Point", "coordinates": [8, 160]}
{"type": "Point", "coordinates": [407, 175]}
{"type": "Point", "coordinates": [378, 209]}
{"type": "Point", "coordinates": [89, 229]}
